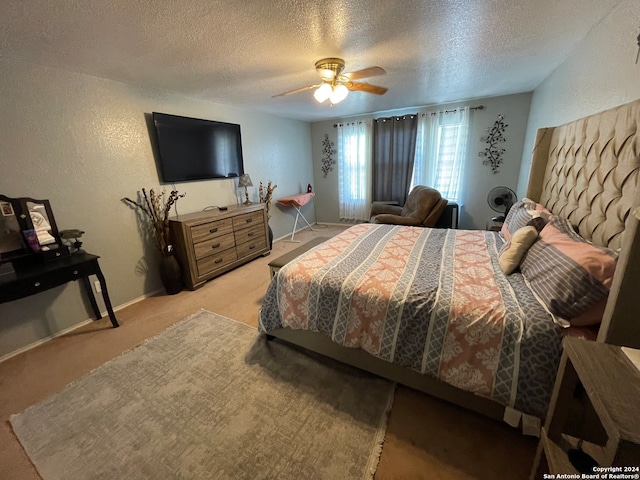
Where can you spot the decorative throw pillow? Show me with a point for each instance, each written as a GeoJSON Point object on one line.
{"type": "Point", "coordinates": [569, 274]}
{"type": "Point", "coordinates": [521, 214]}
{"type": "Point", "coordinates": [514, 249]}
{"type": "Point", "coordinates": [538, 223]}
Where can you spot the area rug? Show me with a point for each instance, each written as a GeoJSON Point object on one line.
{"type": "Point", "coordinates": [210, 398]}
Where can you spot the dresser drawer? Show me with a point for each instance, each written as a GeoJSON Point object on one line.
{"type": "Point", "coordinates": [251, 247]}
{"type": "Point", "coordinates": [47, 279]}
{"type": "Point", "coordinates": [214, 262]}
{"type": "Point", "coordinates": [248, 220]}
{"type": "Point", "coordinates": [250, 234]}
{"type": "Point", "coordinates": [211, 230]}
{"type": "Point", "coordinates": [214, 245]}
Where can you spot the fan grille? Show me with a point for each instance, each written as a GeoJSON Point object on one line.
{"type": "Point", "coordinates": [500, 199]}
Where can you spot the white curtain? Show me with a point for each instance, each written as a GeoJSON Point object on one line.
{"type": "Point", "coordinates": [441, 152]}
{"type": "Point", "coordinates": [354, 170]}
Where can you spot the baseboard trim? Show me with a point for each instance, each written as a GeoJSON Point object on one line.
{"type": "Point", "coordinates": [73, 327]}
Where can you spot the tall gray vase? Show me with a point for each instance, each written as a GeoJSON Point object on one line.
{"type": "Point", "coordinates": [171, 274]}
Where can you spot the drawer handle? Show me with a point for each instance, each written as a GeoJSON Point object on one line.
{"type": "Point", "coordinates": [216, 245]}
{"type": "Point", "coordinates": [252, 247]}
{"type": "Point", "coordinates": [213, 230]}
{"type": "Point", "coordinates": [250, 234]}
{"type": "Point", "coordinates": [249, 220]}
{"type": "Point", "coordinates": [218, 260]}
{"type": "Point", "coordinates": [37, 284]}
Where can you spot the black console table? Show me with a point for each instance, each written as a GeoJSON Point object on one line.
{"type": "Point", "coordinates": [35, 276]}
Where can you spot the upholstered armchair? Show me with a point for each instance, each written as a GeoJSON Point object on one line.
{"type": "Point", "coordinates": [423, 208]}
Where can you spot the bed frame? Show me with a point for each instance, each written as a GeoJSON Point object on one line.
{"type": "Point", "coordinates": [586, 170]}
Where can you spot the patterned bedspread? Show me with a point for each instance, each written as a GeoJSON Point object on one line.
{"type": "Point", "coordinates": [434, 300]}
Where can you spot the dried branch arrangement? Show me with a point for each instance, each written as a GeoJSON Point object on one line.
{"type": "Point", "coordinates": [265, 195]}
{"type": "Point", "coordinates": [157, 209]}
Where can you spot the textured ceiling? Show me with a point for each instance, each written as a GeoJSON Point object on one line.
{"type": "Point", "coordinates": [243, 52]}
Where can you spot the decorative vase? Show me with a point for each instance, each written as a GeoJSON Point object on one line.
{"type": "Point", "coordinates": [171, 274]}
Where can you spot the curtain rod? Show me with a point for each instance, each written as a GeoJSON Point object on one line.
{"type": "Point", "coordinates": [479, 107]}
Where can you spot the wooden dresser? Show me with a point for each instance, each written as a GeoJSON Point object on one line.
{"type": "Point", "coordinates": [211, 243]}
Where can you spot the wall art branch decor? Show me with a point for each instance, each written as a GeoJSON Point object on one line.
{"type": "Point", "coordinates": [327, 156]}
{"type": "Point", "coordinates": [495, 136]}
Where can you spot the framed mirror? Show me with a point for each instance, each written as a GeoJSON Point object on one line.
{"type": "Point", "coordinates": [12, 243]}
{"type": "Point", "coordinates": [28, 227]}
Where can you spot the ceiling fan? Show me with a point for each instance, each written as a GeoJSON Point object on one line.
{"type": "Point", "coordinates": [335, 85]}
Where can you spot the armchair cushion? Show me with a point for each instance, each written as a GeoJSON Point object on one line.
{"type": "Point", "coordinates": [423, 208]}
{"type": "Point", "coordinates": [378, 208]}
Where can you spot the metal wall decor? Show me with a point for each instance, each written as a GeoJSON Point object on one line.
{"type": "Point", "coordinates": [495, 136]}
{"type": "Point", "coordinates": [327, 156]}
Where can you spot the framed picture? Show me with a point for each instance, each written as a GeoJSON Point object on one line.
{"type": "Point", "coordinates": [7, 209]}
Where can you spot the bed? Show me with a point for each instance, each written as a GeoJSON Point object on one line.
{"type": "Point", "coordinates": [433, 308]}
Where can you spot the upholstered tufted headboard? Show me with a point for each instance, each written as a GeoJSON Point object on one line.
{"type": "Point", "coordinates": [588, 171]}
{"type": "Point", "coordinates": [591, 172]}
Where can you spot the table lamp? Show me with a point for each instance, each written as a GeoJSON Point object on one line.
{"type": "Point", "coordinates": [245, 181]}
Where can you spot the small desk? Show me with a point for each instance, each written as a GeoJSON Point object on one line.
{"type": "Point", "coordinates": [34, 276]}
{"type": "Point", "coordinates": [297, 201]}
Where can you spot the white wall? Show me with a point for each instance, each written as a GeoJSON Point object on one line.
{"type": "Point", "coordinates": [83, 143]}
{"type": "Point", "coordinates": [479, 178]}
{"type": "Point", "coordinates": [600, 74]}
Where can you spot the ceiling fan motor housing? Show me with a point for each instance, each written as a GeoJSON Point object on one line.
{"type": "Point", "coordinates": [329, 68]}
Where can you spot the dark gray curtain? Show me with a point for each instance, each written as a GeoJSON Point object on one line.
{"type": "Point", "coordinates": [394, 149]}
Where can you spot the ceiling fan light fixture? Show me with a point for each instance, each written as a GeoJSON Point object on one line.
{"type": "Point", "coordinates": [323, 92]}
{"type": "Point", "coordinates": [335, 86]}
{"type": "Point", "coordinates": [339, 93]}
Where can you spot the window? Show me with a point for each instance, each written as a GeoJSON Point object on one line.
{"type": "Point", "coordinates": [441, 151]}
{"type": "Point", "coordinates": [354, 171]}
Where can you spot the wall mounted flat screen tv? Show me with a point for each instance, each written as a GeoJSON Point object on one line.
{"type": "Point", "coordinates": [193, 149]}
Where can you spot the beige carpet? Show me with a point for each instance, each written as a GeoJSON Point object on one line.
{"type": "Point", "coordinates": [210, 398]}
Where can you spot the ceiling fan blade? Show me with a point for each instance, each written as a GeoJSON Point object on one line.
{"type": "Point", "coordinates": [366, 87]}
{"type": "Point", "coordinates": [365, 72]}
{"type": "Point", "coordinates": [301, 89]}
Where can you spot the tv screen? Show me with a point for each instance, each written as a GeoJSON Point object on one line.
{"type": "Point", "coordinates": [194, 149]}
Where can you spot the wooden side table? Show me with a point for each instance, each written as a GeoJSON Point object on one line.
{"type": "Point", "coordinates": [595, 401]}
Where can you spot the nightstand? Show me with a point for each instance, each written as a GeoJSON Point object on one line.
{"type": "Point", "coordinates": [493, 226]}
{"type": "Point", "coordinates": [595, 400]}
